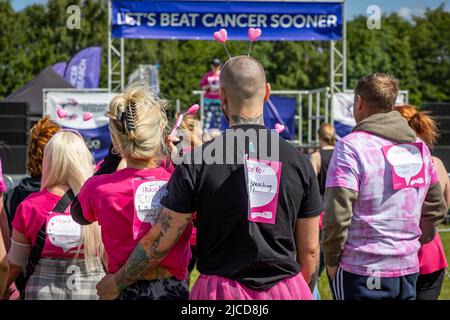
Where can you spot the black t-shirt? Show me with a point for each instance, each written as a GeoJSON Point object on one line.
{"type": "Point", "coordinates": [258, 255]}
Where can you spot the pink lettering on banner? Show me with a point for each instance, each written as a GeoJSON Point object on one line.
{"type": "Point", "coordinates": [407, 165]}
{"type": "Point", "coordinates": [263, 184]}
{"type": "Point", "coordinates": [147, 197]}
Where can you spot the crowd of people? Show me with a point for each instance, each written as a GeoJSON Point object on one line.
{"type": "Point", "coordinates": [254, 215]}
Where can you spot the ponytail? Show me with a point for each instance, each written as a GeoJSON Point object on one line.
{"type": "Point", "coordinates": [425, 127]}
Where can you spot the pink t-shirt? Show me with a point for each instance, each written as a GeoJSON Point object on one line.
{"type": "Point", "coordinates": [383, 238]}
{"type": "Point", "coordinates": [2, 180]}
{"type": "Point", "coordinates": [63, 234]}
{"type": "Point", "coordinates": [432, 256]}
{"type": "Point", "coordinates": [110, 200]}
{"type": "Point", "coordinates": [212, 79]}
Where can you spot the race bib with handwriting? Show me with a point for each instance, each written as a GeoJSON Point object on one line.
{"type": "Point", "coordinates": [263, 184]}
{"type": "Point", "coordinates": [147, 197]}
{"type": "Point", "coordinates": [62, 232]}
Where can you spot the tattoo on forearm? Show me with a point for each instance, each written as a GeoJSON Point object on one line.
{"type": "Point", "coordinates": [244, 120]}
{"type": "Point", "coordinates": [134, 267]}
{"type": "Point", "coordinates": [151, 250]}
{"type": "Point", "coordinates": [164, 219]}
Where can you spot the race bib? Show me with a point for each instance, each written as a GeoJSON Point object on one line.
{"type": "Point", "coordinates": [407, 164]}
{"type": "Point", "coordinates": [147, 195]}
{"type": "Point", "coordinates": [263, 184]}
{"type": "Point", "coordinates": [62, 232]}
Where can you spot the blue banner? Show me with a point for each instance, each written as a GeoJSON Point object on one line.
{"type": "Point", "coordinates": [83, 71]}
{"type": "Point", "coordinates": [60, 68]}
{"type": "Point", "coordinates": [198, 20]}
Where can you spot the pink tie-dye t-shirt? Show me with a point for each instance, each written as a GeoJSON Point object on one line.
{"type": "Point", "coordinates": [383, 238]}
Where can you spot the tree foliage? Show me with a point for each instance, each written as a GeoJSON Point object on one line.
{"type": "Point", "coordinates": [416, 52]}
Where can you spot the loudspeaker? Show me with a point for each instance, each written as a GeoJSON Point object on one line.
{"type": "Point", "coordinates": [443, 153]}
{"type": "Point", "coordinates": [14, 123]}
{"type": "Point", "coordinates": [14, 127]}
{"type": "Point", "coordinates": [14, 159]}
{"type": "Point", "coordinates": [437, 109]}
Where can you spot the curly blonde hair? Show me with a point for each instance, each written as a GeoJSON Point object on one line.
{"type": "Point", "coordinates": [39, 135]}
{"type": "Point", "coordinates": [138, 123]}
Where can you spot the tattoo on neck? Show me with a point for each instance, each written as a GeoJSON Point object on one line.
{"type": "Point", "coordinates": [236, 120]}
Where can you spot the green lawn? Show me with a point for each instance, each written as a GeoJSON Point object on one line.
{"type": "Point", "coordinates": [324, 288]}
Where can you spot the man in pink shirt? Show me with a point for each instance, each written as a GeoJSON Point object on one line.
{"type": "Point", "coordinates": [382, 200]}
{"type": "Point", "coordinates": [210, 83]}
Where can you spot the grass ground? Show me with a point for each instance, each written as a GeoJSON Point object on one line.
{"type": "Point", "coordinates": [324, 288]}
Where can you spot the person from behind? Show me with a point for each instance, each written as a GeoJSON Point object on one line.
{"type": "Point", "coordinates": [382, 200]}
{"type": "Point", "coordinates": [320, 161]}
{"type": "Point", "coordinates": [257, 212]}
{"type": "Point", "coordinates": [45, 239]}
{"type": "Point", "coordinates": [432, 260]}
{"type": "Point", "coordinates": [39, 136]}
{"type": "Point", "coordinates": [127, 202]}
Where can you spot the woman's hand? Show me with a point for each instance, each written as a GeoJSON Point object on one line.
{"type": "Point", "coordinates": [172, 147]}
{"type": "Point", "coordinates": [107, 288]}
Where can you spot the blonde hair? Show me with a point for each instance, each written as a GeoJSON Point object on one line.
{"type": "Point", "coordinates": [327, 133]}
{"type": "Point", "coordinates": [191, 127]}
{"type": "Point", "coordinates": [424, 125]}
{"type": "Point", "coordinates": [67, 161]}
{"type": "Point", "coordinates": [138, 123]}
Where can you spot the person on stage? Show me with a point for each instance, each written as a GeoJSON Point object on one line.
{"type": "Point", "coordinates": [382, 200]}
{"type": "Point", "coordinates": [257, 204]}
{"type": "Point", "coordinates": [211, 84]}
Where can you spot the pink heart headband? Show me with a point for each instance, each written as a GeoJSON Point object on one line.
{"type": "Point", "coordinates": [279, 127]}
{"type": "Point", "coordinates": [62, 113]}
{"type": "Point", "coordinates": [222, 36]}
{"type": "Point", "coordinates": [192, 110]}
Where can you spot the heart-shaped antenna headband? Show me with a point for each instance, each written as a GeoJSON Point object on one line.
{"type": "Point", "coordinates": [222, 36]}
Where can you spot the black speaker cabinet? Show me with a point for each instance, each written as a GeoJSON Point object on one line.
{"type": "Point", "coordinates": [14, 158]}
{"type": "Point", "coordinates": [14, 123]}
{"type": "Point", "coordinates": [443, 153]}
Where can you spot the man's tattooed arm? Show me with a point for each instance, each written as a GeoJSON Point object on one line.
{"type": "Point", "coordinates": [153, 247]}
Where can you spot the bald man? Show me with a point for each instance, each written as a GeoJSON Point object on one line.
{"type": "Point", "coordinates": [257, 202]}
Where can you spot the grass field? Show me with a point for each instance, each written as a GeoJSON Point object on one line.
{"type": "Point", "coordinates": [324, 288]}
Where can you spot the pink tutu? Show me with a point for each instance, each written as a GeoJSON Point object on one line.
{"type": "Point", "coordinates": [218, 288]}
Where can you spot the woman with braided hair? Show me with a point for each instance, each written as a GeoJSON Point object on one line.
{"type": "Point", "coordinates": [126, 202]}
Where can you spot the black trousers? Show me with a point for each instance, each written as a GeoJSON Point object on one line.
{"type": "Point", "coordinates": [349, 286]}
{"type": "Point", "coordinates": [429, 285]}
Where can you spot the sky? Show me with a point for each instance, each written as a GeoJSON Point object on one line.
{"type": "Point", "coordinates": [405, 8]}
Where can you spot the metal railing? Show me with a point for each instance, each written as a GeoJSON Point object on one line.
{"type": "Point", "coordinates": [312, 109]}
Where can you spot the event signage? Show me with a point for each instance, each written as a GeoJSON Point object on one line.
{"type": "Point", "coordinates": [199, 19]}
{"type": "Point", "coordinates": [83, 71]}
{"type": "Point", "coordinates": [95, 131]}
